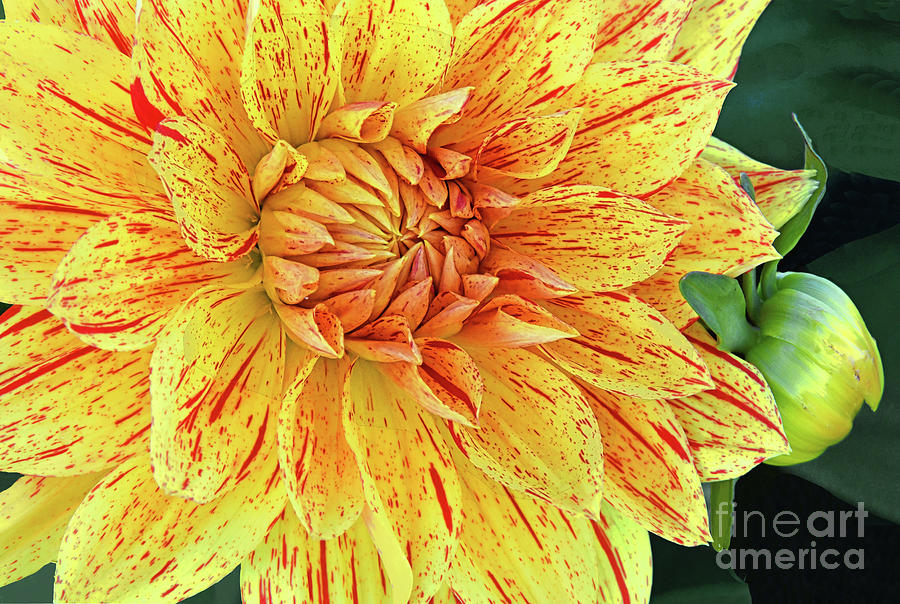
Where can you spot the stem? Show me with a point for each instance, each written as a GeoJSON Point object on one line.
{"type": "Point", "coordinates": [767, 279]}
{"type": "Point", "coordinates": [751, 294]}
{"type": "Point", "coordinates": [721, 503]}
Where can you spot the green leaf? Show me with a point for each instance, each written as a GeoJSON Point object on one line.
{"type": "Point", "coordinates": [720, 303]}
{"type": "Point", "coordinates": [691, 575]}
{"type": "Point", "coordinates": [794, 228]}
{"type": "Point", "coordinates": [721, 511]}
{"type": "Point", "coordinates": [864, 466]}
{"type": "Point", "coordinates": [837, 68]}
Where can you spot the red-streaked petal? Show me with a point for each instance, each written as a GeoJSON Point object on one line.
{"type": "Point", "coordinates": [516, 548]}
{"type": "Point", "coordinates": [59, 416]}
{"type": "Point", "coordinates": [187, 61]}
{"type": "Point", "coordinates": [734, 426]}
{"type": "Point", "coordinates": [713, 35]}
{"type": "Point", "coordinates": [60, 14]}
{"type": "Point", "coordinates": [125, 278]}
{"type": "Point", "coordinates": [649, 471]}
{"type": "Point", "coordinates": [318, 466]}
{"type": "Point", "coordinates": [215, 375]}
{"type": "Point", "coordinates": [377, 66]}
{"type": "Point", "coordinates": [727, 235]}
{"type": "Point", "coordinates": [35, 512]}
{"type": "Point", "coordinates": [536, 432]}
{"type": "Point", "coordinates": [780, 194]}
{"type": "Point", "coordinates": [410, 482]}
{"type": "Point", "coordinates": [643, 124]}
{"type": "Point", "coordinates": [129, 541]}
{"type": "Point", "coordinates": [638, 29]}
{"type": "Point", "coordinates": [594, 238]}
{"type": "Point", "coordinates": [110, 21]}
{"type": "Point", "coordinates": [290, 567]}
{"type": "Point", "coordinates": [209, 187]}
{"type": "Point", "coordinates": [626, 346]}
{"type": "Point", "coordinates": [290, 70]}
{"type": "Point", "coordinates": [510, 321]}
{"type": "Point", "coordinates": [522, 55]}
{"type": "Point", "coordinates": [626, 565]}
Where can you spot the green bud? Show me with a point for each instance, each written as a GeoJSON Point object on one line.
{"type": "Point", "coordinates": [819, 360]}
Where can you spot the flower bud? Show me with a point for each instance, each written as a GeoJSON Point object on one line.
{"type": "Point", "coordinates": [819, 360]}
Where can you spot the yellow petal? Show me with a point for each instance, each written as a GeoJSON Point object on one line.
{"type": "Point", "coordinates": [447, 383]}
{"type": "Point", "coordinates": [58, 415]}
{"type": "Point", "coordinates": [529, 147]}
{"type": "Point", "coordinates": [536, 431]}
{"type": "Point", "coordinates": [131, 542]}
{"type": "Point", "coordinates": [520, 274]}
{"type": "Point", "coordinates": [458, 8]}
{"type": "Point", "coordinates": [626, 566]}
{"type": "Point", "coordinates": [209, 187]}
{"type": "Point", "coordinates": [363, 122]}
{"type": "Point", "coordinates": [516, 548]}
{"type": "Point", "coordinates": [290, 70]}
{"type": "Point", "coordinates": [318, 467]}
{"type": "Point", "coordinates": [519, 56]}
{"type": "Point", "coordinates": [780, 194]}
{"type": "Point", "coordinates": [317, 328]}
{"type": "Point", "coordinates": [395, 50]}
{"type": "Point", "coordinates": [626, 346]}
{"type": "Point", "coordinates": [513, 322]}
{"type": "Point", "coordinates": [215, 371]}
{"type": "Point", "coordinates": [649, 472]}
{"type": "Point", "coordinates": [594, 238]}
{"type": "Point", "coordinates": [734, 426]}
{"type": "Point", "coordinates": [70, 125]}
{"type": "Point", "coordinates": [35, 512]}
{"type": "Point", "coordinates": [291, 567]}
{"type": "Point", "coordinates": [110, 21]}
{"type": "Point", "coordinates": [200, 43]}
{"type": "Point", "coordinates": [638, 30]}
{"type": "Point", "coordinates": [60, 14]}
{"type": "Point", "coordinates": [416, 122]}
{"type": "Point", "coordinates": [387, 339]}
{"type": "Point", "coordinates": [126, 276]}
{"type": "Point", "coordinates": [712, 36]}
{"type": "Point", "coordinates": [728, 235]}
{"type": "Point", "coordinates": [643, 124]}
{"type": "Point", "coordinates": [410, 482]}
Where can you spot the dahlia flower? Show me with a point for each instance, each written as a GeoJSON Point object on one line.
{"type": "Point", "coordinates": [375, 299]}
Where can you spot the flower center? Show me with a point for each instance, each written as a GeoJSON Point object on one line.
{"type": "Point", "coordinates": [369, 245]}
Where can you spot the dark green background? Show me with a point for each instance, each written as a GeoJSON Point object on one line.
{"type": "Point", "coordinates": [836, 63]}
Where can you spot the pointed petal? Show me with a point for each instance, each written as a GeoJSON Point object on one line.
{"type": "Point", "coordinates": [638, 30]}
{"type": "Point", "coordinates": [291, 567]}
{"type": "Point", "coordinates": [529, 147]}
{"type": "Point", "coordinates": [536, 431]}
{"type": "Point", "coordinates": [594, 238]}
{"type": "Point", "coordinates": [110, 21]}
{"type": "Point", "coordinates": [375, 67]}
{"type": "Point", "coordinates": [643, 124]}
{"type": "Point", "coordinates": [626, 346]}
{"type": "Point", "coordinates": [649, 473]}
{"type": "Point", "coordinates": [447, 383]}
{"type": "Point", "coordinates": [520, 274]}
{"type": "Point", "coordinates": [318, 467]}
{"type": "Point", "coordinates": [411, 486]}
{"type": "Point", "coordinates": [522, 56]}
{"type": "Point", "coordinates": [60, 14]}
{"type": "Point", "coordinates": [416, 122]}
{"type": "Point", "coordinates": [780, 194]}
{"type": "Point", "coordinates": [386, 340]}
{"type": "Point", "coordinates": [317, 328]}
{"type": "Point", "coordinates": [201, 44]}
{"type": "Point", "coordinates": [290, 69]}
{"type": "Point", "coordinates": [69, 126]}
{"type": "Point", "coordinates": [209, 187]}
{"type": "Point", "coordinates": [364, 122]}
{"type": "Point", "coordinates": [126, 276]}
{"type": "Point", "coordinates": [129, 541]}
{"type": "Point", "coordinates": [58, 415]}
{"type": "Point", "coordinates": [626, 565]}
{"type": "Point", "coordinates": [215, 372]}
{"type": "Point", "coordinates": [734, 426]}
{"type": "Point", "coordinates": [35, 512]}
{"type": "Point", "coordinates": [516, 548]}
{"type": "Point", "coordinates": [727, 235]}
{"type": "Point", "coordinates": [513, 322]}
{"type": "Point", "coordinates": [713, 35]}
